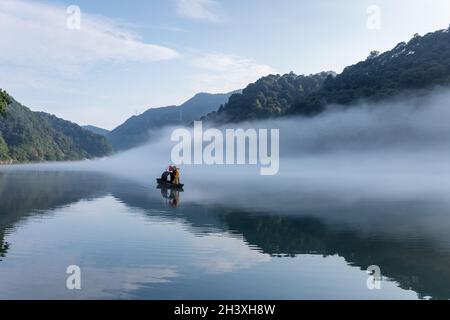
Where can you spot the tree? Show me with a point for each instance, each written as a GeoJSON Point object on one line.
{"type": "Point", "coordinates": [3, 149]}
{"type": "Point", "coordinates": [373, 54]}
{"type": "Point", "coordinates": [4, 101]}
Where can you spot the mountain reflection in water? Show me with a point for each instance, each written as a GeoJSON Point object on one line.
{"type": "Point", "coordinates": [400, 236]}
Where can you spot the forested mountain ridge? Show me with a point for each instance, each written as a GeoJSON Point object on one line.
{"type": "Point", "coordinates": [270, 96]}
{"type": "Point", "coordinates": [421, 63]}
{"type": "Point", "coordinates": [27, 136]}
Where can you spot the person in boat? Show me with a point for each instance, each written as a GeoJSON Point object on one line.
{"type": "Point", "coordinates": [165, 176]}
{"type": "Point", "coordinates": [168, 174]}
{"type": "Point", "coordinates": [172, 175]}
{"type": "Point", "coordinates": [176, 175]}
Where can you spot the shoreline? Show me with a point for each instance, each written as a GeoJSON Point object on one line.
{"type": "Point", "coordinates": [17, 163]}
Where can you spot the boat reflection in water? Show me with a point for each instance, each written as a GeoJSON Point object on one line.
{"type": "Point", "coordinates": [171, 195]}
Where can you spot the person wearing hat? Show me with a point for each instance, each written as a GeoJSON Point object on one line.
{"type": "Point", "coordinates": [176, 175]}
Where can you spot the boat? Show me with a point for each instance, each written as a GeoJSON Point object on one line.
{"type": "Point", "coordinates": [169, 184]}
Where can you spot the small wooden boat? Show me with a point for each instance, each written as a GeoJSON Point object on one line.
{"type": "Point", "coordinates": [169, 184]}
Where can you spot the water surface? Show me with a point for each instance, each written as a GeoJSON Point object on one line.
{"type": "Point", "coordinates": [134, 241]}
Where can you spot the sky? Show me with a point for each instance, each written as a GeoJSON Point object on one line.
{"type": "Point", "coordinates": [99, 62]}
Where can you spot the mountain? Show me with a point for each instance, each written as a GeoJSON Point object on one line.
{"type": "Point", "coordinates": [96, 130]}
{"type": "Point", "coordinates": [27, 136]}
{"type": "Point", "coordinates": [421, 63]}
{"type": "Point", "coordinates": [270, 96]}
{"type": "Point", "coordinates": [137, 129]}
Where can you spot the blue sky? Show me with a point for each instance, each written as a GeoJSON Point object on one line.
{"type": "Point", "coordinates": [129, 56]}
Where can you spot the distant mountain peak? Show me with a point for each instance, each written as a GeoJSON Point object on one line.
{"type": "Point", "coordinates": [137, 129]}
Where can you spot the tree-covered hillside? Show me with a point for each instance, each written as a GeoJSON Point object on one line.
{"type": "Point", "coordinates": [270, 96]}
{"type": "Point", "coordinates": [423, 62]}
{"type": "Point", "coordinates": [36, 136]}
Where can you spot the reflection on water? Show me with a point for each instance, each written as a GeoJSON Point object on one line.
{"type": "Point", "coordinates": [133, 240]}
{"type": "Point", "coordinates": [171, 195]}
{"type": "Point", "coordinates": [3, 246]}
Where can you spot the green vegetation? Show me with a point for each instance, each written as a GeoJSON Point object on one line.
{"type": "Point", "coordinates": [4, 101]}
{"type": "Point", "coordinates": [27, 136]}
{"type": "Point", "coordinates": [270, 96]}
{"type": "Point", "coordinates": [4, 153]}
{"type": "Point", "coordinates": [422, 63]}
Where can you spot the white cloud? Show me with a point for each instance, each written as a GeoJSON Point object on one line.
{"type": "Point", "coordinates": [221, 72]}
{"type": "Point", "coordinates": [206, 10]}
{"type": "Point", "coordinates": [37, 35]}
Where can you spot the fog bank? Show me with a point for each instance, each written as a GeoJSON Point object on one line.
{"type": "Point", "coordinates": [397, 149]}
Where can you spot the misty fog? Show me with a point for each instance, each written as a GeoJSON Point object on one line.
{"type": "Point", "coordinates": [392, 152]}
